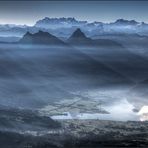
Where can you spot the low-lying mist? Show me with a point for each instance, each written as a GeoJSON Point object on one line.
{"type": "Point", "coordinates": [34, 76]}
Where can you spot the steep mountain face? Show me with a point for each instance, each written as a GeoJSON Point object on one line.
{"type": "Point", "coordinates": [40, 38]}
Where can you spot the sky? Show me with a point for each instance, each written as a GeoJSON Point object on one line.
{"type": "Point", "coordinates": [28, 12]}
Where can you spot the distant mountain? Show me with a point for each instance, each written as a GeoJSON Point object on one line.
{"type": "Point", "coordinates": [125, 22]}
{"type": "Point", "coordinates": [55, 23]}
{"type": "Point", "coordinates": [62, 27]}
{"type": "Point", "coordinates": [79, 38]}
{"type": "Point", "coordinates": [40, 38]}
{"type": "Point", "coordinates": [59, 22]}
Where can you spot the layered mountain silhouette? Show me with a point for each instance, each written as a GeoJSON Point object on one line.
{"type": "Point", "coordinates": [79, 38]}
{"type": "Point", "coordinates": [40, 38]}
{"type": "Point", "coordinates": [62, 27]}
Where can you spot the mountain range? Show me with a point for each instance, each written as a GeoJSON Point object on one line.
{"type": "Point", "coordinates": [78, 38]}
{"type": "Point", "coordinates": [62, 27]}
{"type": "Point", "coordinates": [32, 76]}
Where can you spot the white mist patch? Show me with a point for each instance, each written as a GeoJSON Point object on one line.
{"type": "Point", "coordinates": [143, 113]}
{"type": "Point", "coordinates": [100, 104]}
{"type": "Point", "coordinates": [122, 111]}
{"type": "Point", "coordinates": [73, 108]}
{"type": "Point", "coordinates": [62, 117]}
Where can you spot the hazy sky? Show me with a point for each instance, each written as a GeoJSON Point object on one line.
{"type": "Point", "coordinates": [26, 12]}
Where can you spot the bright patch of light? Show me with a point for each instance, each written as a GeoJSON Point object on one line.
{"type": "Point", "coordinates": [122, 111]}
{"type": "Point", "coordinates": [143, 113]}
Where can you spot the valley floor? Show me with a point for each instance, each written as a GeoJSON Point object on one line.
{"type": "Point", "coordinates": [83, 134]}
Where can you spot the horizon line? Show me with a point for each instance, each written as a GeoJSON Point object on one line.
{"type": "Point", "coordinates": [105, 22]}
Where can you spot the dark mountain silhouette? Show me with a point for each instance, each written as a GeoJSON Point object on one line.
{"type": "Point", "coordinates": [79, 38]}
{"type": "Point", "coordinates": [78, 34]}
{"type": "Point", "coordinates": [40, 38]}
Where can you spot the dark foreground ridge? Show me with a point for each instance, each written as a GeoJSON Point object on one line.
{"type": "Point", "coordinates": [75, 134]}
{"type": "Point", "coordinates": [20, 120]}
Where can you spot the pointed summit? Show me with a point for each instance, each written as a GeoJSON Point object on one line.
{"type": "Point", "coordinates": [40, 38]}
{"type": "Point", "coordinates": [79, 38]}
{"type": "Point", "coordinates": [78, 34]}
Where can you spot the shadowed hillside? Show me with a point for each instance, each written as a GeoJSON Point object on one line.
{"type": "Point", "coordinates": [40, 38]}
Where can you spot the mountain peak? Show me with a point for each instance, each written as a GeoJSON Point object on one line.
{"type": "Point", "coordinates": [40, 38]}
{"type": "Point", "coordinates": [78, 34]}
{"type": "Point", "coordinates": [79, 38]}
